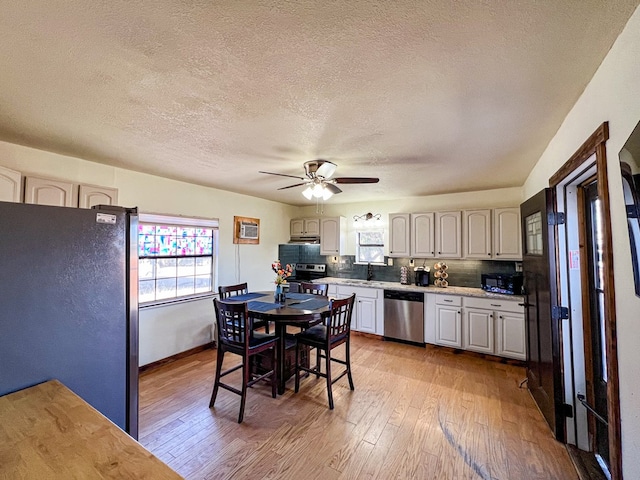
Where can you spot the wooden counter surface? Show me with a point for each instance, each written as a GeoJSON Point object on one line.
{"type": "Point", "coordinates": [47, 431]}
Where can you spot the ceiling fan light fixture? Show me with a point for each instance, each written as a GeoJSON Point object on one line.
{"type": "Point", "coordinates": [327, 194]}
{"type": "Point", "coordinates": [318, 190]}
{"type": "Point", "coordinates": [308, 193]}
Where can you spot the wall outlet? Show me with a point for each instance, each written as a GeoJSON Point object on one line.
{"type": "Point", "coordinates": [334, 259]}
{"type": "Point", "coordinates": [390, 261]}
{"type": "Point", "coordinates": [518, 266]}
{"type": "Point", "coordinates": [411, 262]}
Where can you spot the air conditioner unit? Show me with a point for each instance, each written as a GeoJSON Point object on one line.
{"type": "Point", "coordinates": [249, 230]}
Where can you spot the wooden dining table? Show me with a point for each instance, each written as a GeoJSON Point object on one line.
{"type": "Point", "coordinates": [298, 309]}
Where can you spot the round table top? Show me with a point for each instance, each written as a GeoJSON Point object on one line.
{"type": "Point", "coordinates": [263, 305]}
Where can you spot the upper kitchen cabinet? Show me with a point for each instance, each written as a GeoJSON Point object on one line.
{"type": "Point", "coordinates": [90, 195]}
{"type": "Point", "coordinates": [423, 235]}
{"type": "Point", "coordinates": [45, 191]}
{"type": "Point", "coordinates": [332, 233]}
{"type": "Point", "coordinates": [477, 234]}
{"type": "Point", "coordinates": [305, 227]}
{"type": "Point", "coordinates": [507, 237]}
{"type": "Point", "coordinates": [449, 234]}
{"type": "Point", "coordinates": [399, 234]}
{"type": "Point", "coordinates": [10, 185]}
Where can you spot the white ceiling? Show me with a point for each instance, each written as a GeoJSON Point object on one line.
{"type": "Point", "coordinates": [431, 96]}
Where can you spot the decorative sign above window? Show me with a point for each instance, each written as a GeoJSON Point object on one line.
{"type": "Point", "coordinates": [246, 230]}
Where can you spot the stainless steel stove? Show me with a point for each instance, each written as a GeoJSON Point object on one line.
{"type": "Point", "coordinates": [306, 272]}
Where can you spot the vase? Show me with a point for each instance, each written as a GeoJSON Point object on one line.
{"type": "Point", "coordinates": [279, 296]}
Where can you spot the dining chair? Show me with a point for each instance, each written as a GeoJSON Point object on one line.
{"type": "Point", "coordinates": [314, 288]}
{"type": "Point", "coordinates": [334, 330]}
{"type": "Point", "coordinates": [228, 291]}
{"type": "Point", "coordinates": [235, 335]}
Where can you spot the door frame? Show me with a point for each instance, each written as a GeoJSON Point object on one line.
{"type": "Point", "coordinates": [568, 175]}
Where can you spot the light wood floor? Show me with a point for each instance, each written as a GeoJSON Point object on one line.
{"type": "Point", "coordinates": [415, 413]}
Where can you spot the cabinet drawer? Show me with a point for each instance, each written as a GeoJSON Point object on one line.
{"type": "Point", "coordinates": [360, 292]}
{"type": "Point", "coordinates": [494, 304]}
{"type": "Point", "coordinates": [453, 300]}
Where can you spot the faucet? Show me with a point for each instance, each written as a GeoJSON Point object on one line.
{"type": "Point", "coordinates": [369, 271]}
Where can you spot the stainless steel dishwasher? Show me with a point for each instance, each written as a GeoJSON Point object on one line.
{"type": "Point", "coordinates": [404, 315]}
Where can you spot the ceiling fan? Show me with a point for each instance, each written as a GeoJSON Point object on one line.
{"type": "Point", "coordinates": [319, 182]}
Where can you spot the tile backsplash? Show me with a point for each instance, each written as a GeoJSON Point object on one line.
{"type": "Point", "coordinates": [462, 273]}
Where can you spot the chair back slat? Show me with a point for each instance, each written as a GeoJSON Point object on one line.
{"type": "Point", "coordinates": [227, 291]}
{"type": "Point", "coordinates": [233, 321]}
{"type": "Point", "coordinates": [314, 288]}
{"type": "Point", "coordinates": [339, 317]}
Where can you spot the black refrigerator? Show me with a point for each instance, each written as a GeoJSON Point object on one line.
{"type": "Point", "coordinates": [69, 304]}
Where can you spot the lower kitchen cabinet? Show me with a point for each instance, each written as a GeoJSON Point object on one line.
{"type": "Point", "coordinates": [478, 330]}
{"type": "Point", "coordinates": [368, 309]}
{"type": "Point", "coordinates": [511, 335]}
{"type": "Point", "coordinates": [448, 321]}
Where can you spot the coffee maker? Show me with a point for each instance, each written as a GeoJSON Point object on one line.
{"type": "Point", "coordinates": [422, 276]}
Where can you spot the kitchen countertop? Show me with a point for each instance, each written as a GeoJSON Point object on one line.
{"type": "Point", "coordinates": [450, 290]}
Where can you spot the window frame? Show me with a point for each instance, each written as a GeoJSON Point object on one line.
{"type": "Point", "coordinates": [372, 229]}
{"type": "Point", "coordinates": [180, 221]}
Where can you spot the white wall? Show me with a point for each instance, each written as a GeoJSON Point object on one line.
{"type": "Point", "coordinates": [165, 331]}
{"type": "Point", "coordinates": [504, 197]}
{"type": "Point", "coordinates": [613, 95]}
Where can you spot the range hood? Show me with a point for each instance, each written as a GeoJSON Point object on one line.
{"type": "Point", "coordinates": [304, 240]}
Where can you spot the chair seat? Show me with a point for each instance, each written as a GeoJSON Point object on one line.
{"type": "Point", "coordinates": [258, 339]}
{"type": "Point", "coordinates": [317, 335]}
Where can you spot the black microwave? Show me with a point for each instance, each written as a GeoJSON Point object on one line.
{"type": "Point", "coordinates": [502, 283]}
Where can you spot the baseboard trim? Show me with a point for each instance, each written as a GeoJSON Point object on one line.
{"type": "Point", "coordinates": [173, 358]}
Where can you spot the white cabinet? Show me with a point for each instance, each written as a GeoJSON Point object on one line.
{"type": "Point", "coordinates": [90, 195]}
{"type": "Point", "coordinates": [368, 310]}
{"type": "Point", "coordinates": [505, 319]}
{"type": "Point", "coordinates": [423, 235]}
{"type": "Point", "coordinates": [448, 321]}
{"type": "Point", "coordinates": [399, 234]}
{"type": "Point", "coordinates": [507, 236]}
{"type": "Point", "coordinates": [511, 335]}
{"type": "Point", "coordinates": [45, 191]}
{"type": "Point", "coordinates": [478, 330]}
{"type": "Point", "coordinates": [449, 234]}
{"type": "Point", "coordinates": [10, 185]}
{"type": "Point", "coordinates": [332, 233]}
{"type": "Point", "coordinates": [477, 234]}
{"type": "Point", "coordinates": [305, 227]}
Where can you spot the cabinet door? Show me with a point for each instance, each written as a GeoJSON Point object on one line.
{"type": "Point", "coordinates": [448, 326]}
{"type": "Point", "coordinates": [44, 191]}
{"type": "Point", "coordinates": [10, 185]}
{"type": "Point", "coordinates": [90, 195]}
{"type": "Point", "coordinates": [511, 335]}
{"type": "Point", "coordinates": [331, 236]}
{"type": "Point", "coordinates": [312, 226]}
{"type": "Point", "coordinates": [366, 312]}
{"type": "Point", "coordinates": [507, 239]}
{"type": "Point", "coordinates": [399, 227]}
{"type": "Point", "coordinates": [478, 330]}
{"type": "Point", "coordinates": [297, 227]}
{"type": "Point", "coordinates": [423, 235]}
{"type": "Point", "coordinates": [477, 234]}
{"type": "Point", "coordinates": [448, 234]}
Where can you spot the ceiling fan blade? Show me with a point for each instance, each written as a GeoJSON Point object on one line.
{"type": "Point", "coordinates": [283, 175]}
{"type": "Point", "coordinates": [356, 180]}
{"type": "Point", "coordinates": [325, 169]}
{"type": "Point", "coordinates": [332, 188]}
{"type": "Point", "coordinates": [296, 185]}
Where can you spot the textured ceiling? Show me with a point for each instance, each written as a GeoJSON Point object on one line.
{"type": "Point", "coordinates": [431, 96]}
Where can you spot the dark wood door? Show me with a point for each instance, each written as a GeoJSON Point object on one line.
{"type": "Point", "coordinates": [544, 372]}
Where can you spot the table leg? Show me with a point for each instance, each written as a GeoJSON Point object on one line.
{"type": "Point", "coordinates": [281, 330]}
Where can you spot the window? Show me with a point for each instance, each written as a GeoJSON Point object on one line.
{"type": "Point", "coordinates": [176, 257]}
{"type": "Point", "coordinates": [370, 246]}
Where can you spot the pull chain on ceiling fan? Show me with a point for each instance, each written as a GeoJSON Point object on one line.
{"type": "Point", "coordinates": [319, 182]}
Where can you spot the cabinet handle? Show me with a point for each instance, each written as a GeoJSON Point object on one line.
{"type": "Point", "coordinates": [445, 300]}
{"type": "Point", "coordinates": [501, 317]}
{"type": "Point", "coordinates": [496, 305]}
{"type": "Point", "coordinates": [458, 312]}
{"type": "Point", "coordinates": [497, 254]}
{"type": "Point", "coordinates": [439, 253]}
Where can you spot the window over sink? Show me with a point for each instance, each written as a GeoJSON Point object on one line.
{"type": "Point", "coordinates": [370, 246]}
{"type": "Point", "coordinates": [176, 258]}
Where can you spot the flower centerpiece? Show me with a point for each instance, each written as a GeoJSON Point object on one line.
{"type": "Point", "coordinates": [281, 277]}
{"type": "Point", "coordinates": [281, 272]}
